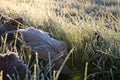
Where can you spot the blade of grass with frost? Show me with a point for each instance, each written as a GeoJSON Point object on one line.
{"type": "Point", "coordinates": [111, 73]}
{"type": "Point", "coordinates": [86, 68]}
{"type": "Point", "coordinates": [8, 77]}
{"type": "Point", "coordinates": [15, 43]}
{"type": "Point", "coordinates": [43, 77]}
{"type": "Point", "coordinates": [109, 54]}
{"type": "Point", "coordinates": [50, 66]}
{"type": "Point", "coordinates": [58, 56]}
{"type": "Point", "coordinates": [59, 71]}
{"type": "Point", "coordinates": [37, 67]}
{"type": "Point", "coordinates": [4, 45]}
{"type": "Point", "coordinates": [1, 74]}
{"type": "Point", "coordinates": [18, 77]}
{"type": "Point", "coordinates": [35, 72]}
{"type": "Point", "coordinates": [97, 73]}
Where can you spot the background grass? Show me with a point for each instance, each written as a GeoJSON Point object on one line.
{"type": "Point", "coordinates": [91, 26]}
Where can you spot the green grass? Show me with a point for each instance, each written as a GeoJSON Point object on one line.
{"type": "Point", "coordinates": [75, 23]}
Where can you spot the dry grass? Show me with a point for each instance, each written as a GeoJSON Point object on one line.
{"type": "Point", "coordinates": [75, 23]}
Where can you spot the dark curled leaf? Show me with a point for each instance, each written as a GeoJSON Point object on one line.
{"type": "Point", "coordinates": [12, 66]}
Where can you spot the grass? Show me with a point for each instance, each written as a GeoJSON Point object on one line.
{"type": "Point", "coordinates": [91, 26]}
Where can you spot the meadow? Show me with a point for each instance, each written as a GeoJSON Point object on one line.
{"type": "Point", "coordinates": [90, 29]}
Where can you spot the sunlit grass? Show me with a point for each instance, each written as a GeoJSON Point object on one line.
{"type": "Point", "coordinates": [75, 25]}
